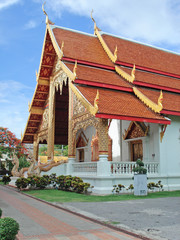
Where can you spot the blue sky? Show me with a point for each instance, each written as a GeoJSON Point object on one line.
{"type": "Point", "coordinates": [22, 29]}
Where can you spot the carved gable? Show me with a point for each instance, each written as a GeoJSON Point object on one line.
{"type": "Point", "coordinates": [136, 130]}
{"type": "Point", "coordinates": [77, 106]}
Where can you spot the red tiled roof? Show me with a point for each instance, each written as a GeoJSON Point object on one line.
{"type": "Point", "coordinates": [113, 102]}
{"type": "Point", "coordinates": [143, 55]}
{"type": "Point", "coordinates": [98, 76]}
{"type": "Point", "coordinates": [81, 46]}
{"type": "Point", "coordinates": [157, 80]}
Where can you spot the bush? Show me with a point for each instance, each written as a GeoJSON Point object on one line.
{"type": "Point", "coordinates": [0, 212]}
{"type": "Point", "coordinates": [8, 228]}
{"type": "Point", "coordinates": [21, 183]}
{"type": "Point", "coordinates": [6, 179]}
{"type": "Point", "coordinates": [73, 184]}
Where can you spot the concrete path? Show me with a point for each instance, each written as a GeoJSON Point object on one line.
{"type": "Point", "coordinates": [154, 218]}
{"type": "Point", "coordinates": [39, 220]}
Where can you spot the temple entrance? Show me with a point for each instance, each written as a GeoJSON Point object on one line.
{"type": "Point", "coordinates": [61, 116]}
{"type": "Point", "coordinates": [81, 155]}
{"type": "Point", "coordinates": [136, 150]}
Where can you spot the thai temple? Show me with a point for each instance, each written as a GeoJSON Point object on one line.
{"type": "Point", "coordinates": [112, 101]}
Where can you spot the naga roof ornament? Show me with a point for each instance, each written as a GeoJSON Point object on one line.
{"type": "Point", "coordinates": [96, 100]}
{"type": "Point", "coordinates": [75, 68]}
{"type": "Point", "coordinates": [112, 56]}
{"type": "Point", "coordinates": [125, 75]}
{"type": "Point", "coordinates": [155, 107]}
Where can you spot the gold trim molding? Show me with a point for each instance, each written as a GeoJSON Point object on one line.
{"type": "Point", "coordinates": [128, 77]}
{"type": "Point", "coordinates": [155, 107]}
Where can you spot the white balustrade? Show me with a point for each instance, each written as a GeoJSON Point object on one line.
{"type": "Point", "coordinates": [123, 168]}
{"type": "Point", "coordinates": [89, 168]}
{"type": "Point", "coordinates": [117, 168]}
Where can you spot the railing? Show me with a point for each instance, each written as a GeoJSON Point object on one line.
{"type": "Point", "coordinates": [89, 168]}
{"type": "Point", "coordinates": [118, 168]}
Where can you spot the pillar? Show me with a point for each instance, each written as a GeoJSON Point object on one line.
{"type": "Point", "coordinates": [51, 121]}
{"type": "Point", "coordinates": [35, 147]}
{"type": "Point", "coordinates": [103, 166]}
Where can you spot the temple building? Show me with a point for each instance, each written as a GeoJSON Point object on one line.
{"type": "Point", "coordinates": [112, 101]}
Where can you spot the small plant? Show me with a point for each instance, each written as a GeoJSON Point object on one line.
{"type": "Point", "coordinates": [117, 188]}
{"type": "Point", "coordinates": [152, 186]}
{"type": "Point", "coordinates": [139, 169]}
{"type": "Point", "coordinates": [131, 187]}
{"type": "Point", "coordinates": [8, 228]}
{"type": "Point", "coordinates": [6, 179]}
{"type": "Point", "coordinates": [0, 212]}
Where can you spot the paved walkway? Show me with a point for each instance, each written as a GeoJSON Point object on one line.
{"type": "Point", "coordinates": [155, 218]}
{"type": "Point", "coordinates": [39, 220]}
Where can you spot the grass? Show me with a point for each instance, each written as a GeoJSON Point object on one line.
{"type": "Point", "coordinates": [52, 195]}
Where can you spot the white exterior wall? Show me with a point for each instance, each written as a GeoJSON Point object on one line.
{"type": "Point", "coordinates": [170, 149]}
{"type": "Point", "coordinates": [151, 144]}
{"type": "Point", "coordinates": [114, 133]}
{"type": "Point", "coordinates": [121, 148]}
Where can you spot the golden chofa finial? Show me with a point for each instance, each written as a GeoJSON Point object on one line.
{"type": "Point", "coordinates": [133, 72]}
{"type": "Point", "coordinates": [95, 26]}
{"type": "Point", "coordinates": [29, 105]}
{"type": "Point", "coordinates": [45, 13]}
{"type": "Point", "coordinates": [75, 68]}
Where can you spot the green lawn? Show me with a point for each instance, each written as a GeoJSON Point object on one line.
{"type": "Point", "coordinates": [52, 195]}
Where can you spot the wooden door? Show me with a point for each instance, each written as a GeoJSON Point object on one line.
{"type": "Point", "coordinates": [81, 155]}
{"type": "Point", "coordinates": [136, 150]}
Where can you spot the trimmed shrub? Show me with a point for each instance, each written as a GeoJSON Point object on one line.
{"type": "Point", "coordinates": [8, 228]}
{"type": "Point", "coordinates": [21, 183]}
{"type": "Point", "coordinates": [6, 179]}
{"type": "Point", "coordinates": [140, 167]}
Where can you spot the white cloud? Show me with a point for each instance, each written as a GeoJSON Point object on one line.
{"type": "Point", "coordinates": [155, 21]}
{"type": "Point", "coordinates": [14, 105]}
{"type": "Point", "coordinates": [31, 24]}
{"type": "Point", "coordinates": [7, 3]}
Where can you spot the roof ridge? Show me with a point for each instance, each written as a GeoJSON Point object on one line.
{"type": "Point", "coordinates": [72, 30]}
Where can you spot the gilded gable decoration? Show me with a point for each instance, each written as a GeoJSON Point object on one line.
{"type": "Point", "coordinates": [59, 79]}
{"type": "Point", "coordinates": [77, 106]}
{"type": "Point", "coordinates": [45, 118]}
{"type": "Point", "coordinates": [155, 107]}
{"type": "Point", "coordinates": [136, 130]}
{"type": "Point", "coordinates": [92, 109]}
